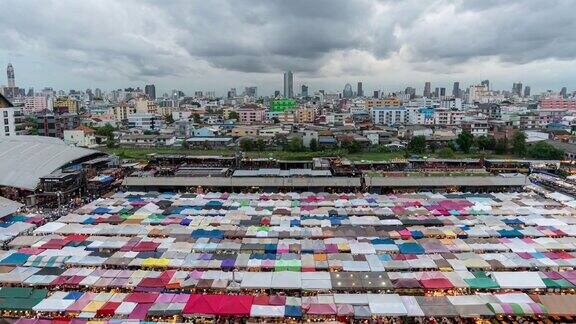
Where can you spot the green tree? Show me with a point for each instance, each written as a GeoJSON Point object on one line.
{"type": "Point", "coordinates": [485, 143]}
{"type": "Point", "coordinates": [233, 115]}
{"type": "Point", "coordinates": [295, 144]}
{"type": "Point", "coordinates": [519, 143]}
{"type": "Point", "coordinates": [247, 144]}
{"type": "Point", "coordinates": [260, 145]}
{"type": "Point", "coordinates": [545, 151]}
{"type": "Point", "coordinates": [185, 144]}
{"type": "Point", "coordinates": [197, 118]}
{"type": "Point", "coordinates": [169, 119]}
{"type": "Point", "coordinates": [446, 153]}
{"type": "Point", "coordinates": [501, 146]}
{"type": "Point", "coordinates": [465, 141]}
{"type": "Point", "coordinates": [417, 145]}
{"type": "Point", "coordinates": [351, 146]}
{"type": "Point", "coordinates": [106, 130]}
{"type": "Point", "coordinates": [313, 145]}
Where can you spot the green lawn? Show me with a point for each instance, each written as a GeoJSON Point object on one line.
{"type": "Point", "coordinates": [142, 153]}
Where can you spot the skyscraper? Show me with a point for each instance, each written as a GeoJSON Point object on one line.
{"type": "Point", "coordinates": [527, 91]}
{"type": "Point", "coordinates": [517, 89]}
{"type": "Point", "coordinates": [288, 84]}
{"type": "Point", "coordinates": [427, 90]}
{"type": "Point", "coordinates": [359, 90]}
{"type": "Point", "coordinates": [304, 91]}
{"type": "Point", "coordinates": [150, 91]}
{"type": "Point", "coordinates": [486, 83]}
{"type": "Point", "coordinates": [376, 94]}
{"type": "Point", "coordinates": [563, 92]}
{"type": "Point", "coordinates": [436, 92]}
{"type": "Point", "coordinates": [347, 93]}
{"type": "Point", "coordinates": [410, 91]}
{"type": "Point", "coordinates": [456, 90]}
{"type": "Point", "coordinates": [10, 74]}
{"type": "Point", "coordinates": [442, 92]}
{"type": "Point", "coordinates": [251, 91]}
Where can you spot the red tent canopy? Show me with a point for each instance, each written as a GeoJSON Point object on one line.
{"type": "Point", "coordinates": [202, 304]}
{"type": "Point", "coordinates": [437, 283]}
{"type": "Point", "coordinates": [142, 297]}
{"type": "Point", "coordinates": [235, 305]}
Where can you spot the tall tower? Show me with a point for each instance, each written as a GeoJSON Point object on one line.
{"type": "Point", "coordinates": [10, 74]}
{"type": "Point", "coordinates": [359, 90]}
{"type": "Point", "coordinates": [426, 90]}
{"type": "Point", "coordinates": [288, 84]}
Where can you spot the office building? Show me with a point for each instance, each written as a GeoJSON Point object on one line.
{"type": "Point", "coordinates": [486, 83]}
{"type": "Point", "coordinates": [54, 125]}
{"type": "Point", "coordinates": [150, 91]}
{"type": "Point", "coordinates": [288, 84]}
{"type": "Point", "coordinates": [359, 90]}
{"type": "Point", "coordinates": [348, 92]}
{"type": "Point", "coordinates": [376, 94]}
{"type": "Point", "coordinates": [456, 90]}
{"type": "Point", "coordinates": [527, 91]}
{"type": "Point", "coordinates": [304, 91]}
{"type": "Point", "coordinates": [517, 89]}
{"type": "Point", "coordinates": [427, 90]}
{"type": "Point", "coordinates": [251, 92]}
{"type": "Point", "coordinates": [563, 92]}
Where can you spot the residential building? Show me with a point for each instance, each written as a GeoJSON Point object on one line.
{"type": "Point", "coordinates": [145, 106]}
{"type": "Point", "coordinates": [427, 89]}
{"type": "Point", "coordinates": [305, 115]}
{"type": "Point", "coordinates": [384, 102]}
{"type": "Point", "coordinates": [12, 121]}
{"type": "Point", "coordinates": [557, 103]}
{"type": "Point", "coordinates": [36, 104]}
{"type": "Point", "coordinates": [144, 121]}
{"type": "Point", "coordinates": [66, 105]}
{"type": "Point", "coordinates": [150, 91]}
{"type": "Point", "coordinates": [389, 116]}
{"type": "Point", "coordinates": [251, 115]}
{"type": "Point", "coordinates": [242, 131]}
{"type": "Point", "coordinates": [81, 136]}
{"type": "Point", "coordinates": [54, 125]}
{"type": "Point", "coordinates": [147, 140]}
{"type": "Point", "coordinates": [121, 112]}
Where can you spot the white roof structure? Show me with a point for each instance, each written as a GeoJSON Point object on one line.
{"type": "Point", "coordinates": [25, 159]}
{"type": "Point", "coordinates": [8, 206]}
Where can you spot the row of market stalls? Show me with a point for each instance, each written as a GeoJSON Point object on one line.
{"type": "Point", "coordinates": [293, 257]}
{"type": "Point", "coordinates": [158, 306]}
{"type": "Point", "coordinates": [417, 282]}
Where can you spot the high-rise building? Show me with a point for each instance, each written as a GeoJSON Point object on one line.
{"type": "Point", "coordinates": [436, 92]}
{"type": "Point", "coordinates": [150, 91]}
{"type": "Point", "coordinates": [251, 92]}
{"type": "Point", "coordinates": [486, 83]}
{"type": "Point", "coordinates": [456, 90]}
{"type": "Point", "coordinates": [517, 89]}
{"type": "Point", "coordinates": [527, 91]}
{"type": "Point", "coordinates": [98, 93]}
{"type": "Point", "coordinates": [442, 92]}
{"type": "Point", "coordinates": [232, 93]}
{"type": "Point", "coordinates": [304, 91]}
{"type": "Point", "coordinates": [410, 91]}
{"type": "Point", "coordinates": [276, 93]}
{"type": "Point", "coordinates": [10, 75]}
{"type": "Point", "coordinates": [563, 92]}
{"type": "Point", "coordinates": [288, 84]}
{"type": "Point", "coordinates": [427, 90]}
{"type": "Point", "coordinates": [348, 92]}
{"type": "Point", "coordinates": [359, 90]}
{"type": "Point", "coordinates": [376, 94]}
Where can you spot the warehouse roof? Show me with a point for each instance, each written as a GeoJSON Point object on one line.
{"type": "Point", "coordinates": [25, 159]}
{"type": "Point", "coordinates": [241, 182]}
{"type": "Point", "coordinates": [468, 181]}
{"type": "Point", "coordinates": [8, 206]}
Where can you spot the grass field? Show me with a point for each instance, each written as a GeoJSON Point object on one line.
{"type": "Point", "coordinates": [141, 154]}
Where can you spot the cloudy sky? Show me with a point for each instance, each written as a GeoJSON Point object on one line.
{"type": "Point", "coordinates": [218, 44]}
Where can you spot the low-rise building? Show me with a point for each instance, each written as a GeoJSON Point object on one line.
{"type": "Point", "coordinates": [81, 136]}
{"type": "Point", "coordinates": [149, 122]}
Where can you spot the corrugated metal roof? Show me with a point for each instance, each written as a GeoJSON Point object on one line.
{"type": "Point", "coordinates": [25, 159]}
{"type": "Point", "coordinates": [8, 206]}
{"type": "Point", "coordinates": [468, 181]}
{"type": "Point", "coordinates": [241, 182]}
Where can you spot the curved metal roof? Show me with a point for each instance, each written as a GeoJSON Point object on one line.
{"type": "Point", "coordinates": [25, 159]}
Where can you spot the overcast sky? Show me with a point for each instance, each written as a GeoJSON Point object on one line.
{"type": "Point", "coordinates": [218, 44]}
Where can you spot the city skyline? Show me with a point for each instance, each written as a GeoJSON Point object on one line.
{"type": "Point", "coordinates": [325, 44]}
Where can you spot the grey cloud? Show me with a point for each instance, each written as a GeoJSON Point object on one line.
{"type": "Point", "coordinates": [140, 39]}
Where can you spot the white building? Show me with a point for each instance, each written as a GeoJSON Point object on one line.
{"type": "Point", "coordinates": [151, 122]}
{"type": "Point", "coordinates": [36, 103]}
{"type": "Point", "coordinates": [81, 136]}
{"type": "Point", "coordinates": [11, 121]}
{"type": "Point", "coordinates": [389, 116]}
